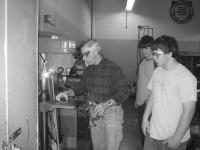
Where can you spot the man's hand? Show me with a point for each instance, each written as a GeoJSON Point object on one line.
{"type": "Point", "coordinates": [62, 95]}
{"type": "Point", "coordinates": [65, 94]}
{"type": "Point", "coordinates": [145, 126]}
{"type": "Point", "coordinates": [172, 142]}
{"type": "Point", "coordinates": [70, 92]}
{"type": "Point", "coordinates": [140, 102]}
{"type": "Point", "coordinates": [136, 104]}
{"type": "Point", "coordinates": [45, 107]}
{"type": "Point", "coordinates": [100, 109]}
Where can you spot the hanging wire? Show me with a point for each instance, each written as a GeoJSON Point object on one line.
{"type": "Point", "coordinates": [43, 60]}
{"type": "Point", "coordinates": [126, 19]}
{"type": "Point", "coordinates": [28, 132]}
{"type": "Point", "coordinates": [92, 18]}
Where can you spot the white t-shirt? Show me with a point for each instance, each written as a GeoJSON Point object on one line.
{"type": "Point", "coordinates": [146, 69]}
{"type": "Point", "coordinates": [170, 89]}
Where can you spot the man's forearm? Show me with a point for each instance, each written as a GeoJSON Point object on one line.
{"type": "Point", "coordinates": [148, 109]}
{"type": "Point", "coordinates": [120, 96]}
{"type": "Point", "coordinates": [185, 120]}
{"type": "Point", "coordinates": [120, 88]}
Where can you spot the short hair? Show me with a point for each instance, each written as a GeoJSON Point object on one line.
{"type": "Point", "coordinates": [92, 44]}
{"type": "Point", "coordinates": [167, 44]}
{"type": "Point", "coordinates": [146, 41]}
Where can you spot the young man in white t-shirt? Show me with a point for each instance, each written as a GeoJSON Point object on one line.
{"type": "Point", "coordinates": [145, 72]}
{"type": "Point", "coordinates": [172, 101]}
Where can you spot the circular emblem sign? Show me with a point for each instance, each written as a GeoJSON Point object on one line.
{"type": "Point", "coordinates": [181, 11]}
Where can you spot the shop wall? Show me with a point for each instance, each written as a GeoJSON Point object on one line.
{"type": "Point", "coordinates": [18, 75]}
{"type": "Point", "coordinates": [3, 106]}
{"type": "Point", "coordinates": [120, 43]}
{"type": "Point", "coordinates": [70, 18]}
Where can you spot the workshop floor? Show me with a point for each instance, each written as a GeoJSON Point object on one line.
{"type": "Point", "coordinates": [131, 139]}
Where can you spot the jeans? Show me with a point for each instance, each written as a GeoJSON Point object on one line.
{"type": "Point", "coordinates": [106, 132]}
{"type": "Point", "coordinates": [153, 144]}
{"type": "Point", "coordinates": [141, 110]}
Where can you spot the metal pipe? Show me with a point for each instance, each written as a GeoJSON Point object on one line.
{"type": "Point", "coordinates": [92, 18]}
{"type": "Point", "coordinates": [126, 20]}
{"type": "Point", "coordinates": [44, 116]}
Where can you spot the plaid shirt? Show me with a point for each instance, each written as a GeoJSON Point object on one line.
{"type": "Point", "coordinates": [103, 82]}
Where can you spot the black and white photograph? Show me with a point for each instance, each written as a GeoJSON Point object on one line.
{"type": "Point", "coordinates": [100, 74]}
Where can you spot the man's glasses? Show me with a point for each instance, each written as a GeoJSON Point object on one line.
{"type": "Point", "coordinates": [86, 54]}
{"type": "Point", "coordinates": [157, 53]}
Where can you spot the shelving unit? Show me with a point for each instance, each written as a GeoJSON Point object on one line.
{"type": "Point", "coordinates": [192, 61]}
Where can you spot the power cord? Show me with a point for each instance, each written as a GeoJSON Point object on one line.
{"type": "Point", "coordinates": [27, 139]}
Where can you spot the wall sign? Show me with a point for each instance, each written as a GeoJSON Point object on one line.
{"type": "Point", "coordinates": [181, 11]}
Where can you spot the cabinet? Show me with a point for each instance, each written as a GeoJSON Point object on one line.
{"type": "Point", "coordinates": [68, 122]}
{"type": "Point", "coordinates": [192, 61]}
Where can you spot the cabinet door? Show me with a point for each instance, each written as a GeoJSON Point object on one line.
{"type": "Point", "coordinates": [68, 120]}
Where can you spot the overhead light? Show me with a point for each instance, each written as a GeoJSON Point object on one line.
{"type": "Point", "coordinates": [129, 5]}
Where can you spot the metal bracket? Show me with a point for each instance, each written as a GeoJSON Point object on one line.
{"type": "Point", "coordinates": [13, 136]}
{"type": "Point", "coordinates": [49, 19]}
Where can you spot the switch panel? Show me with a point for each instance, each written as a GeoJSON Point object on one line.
{"type": "Point", "coordinates": [13, 136]}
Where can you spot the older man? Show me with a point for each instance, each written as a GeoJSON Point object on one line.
{"type": "Point", "coordinates": [107, 89]}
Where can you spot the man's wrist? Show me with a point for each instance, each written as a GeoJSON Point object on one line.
{"type": "Point", "coordinates": [110, 103]}
{"type": "Point", "coordinates": [177, 137]}
{"type": "Point", "coordinates": [145, 117]}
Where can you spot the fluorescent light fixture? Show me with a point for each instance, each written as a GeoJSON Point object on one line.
{"type": "Point", "coordinates": [129, 5]}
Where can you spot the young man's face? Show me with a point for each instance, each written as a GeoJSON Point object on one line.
{"type": "Point", "coordinates": [146, 52]}
{"type": "Point", "coordinates": [160, 57]}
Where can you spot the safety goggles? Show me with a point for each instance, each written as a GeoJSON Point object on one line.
{"type": "Point", "coordinates": [86, 54]}
{"type": "Point", "coordinates": [158, 53]}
